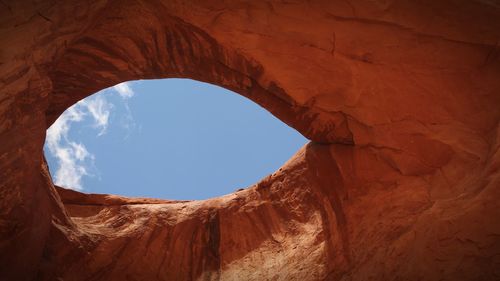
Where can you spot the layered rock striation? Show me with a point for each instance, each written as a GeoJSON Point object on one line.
{"type": "Point", "coordinates": [400, 99]}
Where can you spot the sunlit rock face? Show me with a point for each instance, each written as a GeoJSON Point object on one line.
{"type": "Point", "coordinates": [401, 102]}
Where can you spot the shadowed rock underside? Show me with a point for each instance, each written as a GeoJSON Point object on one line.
{"type": "Point", "coordinates": [400, 99]}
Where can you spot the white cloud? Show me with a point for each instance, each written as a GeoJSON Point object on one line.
{"type": "Point", "coordinates": [71, 169]}
{"type": "Point", "coordinates": [124, 90]}
{"type": "Point", "coordinates": [61, 127]}
{"type": "Point", "coordinates": [99, 108]}
{"type": "Point", "coordinates": [72, 157]}
{"type": "Point", "coordinates": [80, 151]}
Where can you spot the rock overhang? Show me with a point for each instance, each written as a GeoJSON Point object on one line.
{"type": "Point", "coordinates": [404, 102]}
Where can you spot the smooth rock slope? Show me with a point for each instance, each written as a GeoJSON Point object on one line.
{"type": "Point", "coordinates": [400, 99]}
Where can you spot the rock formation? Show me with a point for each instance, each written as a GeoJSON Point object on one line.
{"type": "Point", "coordinates": [400, 99]}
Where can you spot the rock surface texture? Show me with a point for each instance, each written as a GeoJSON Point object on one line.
{"type": "Point", "coordinates": [400, 99]}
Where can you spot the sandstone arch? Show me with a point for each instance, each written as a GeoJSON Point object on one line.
{"type": "Point", "coordinates": [399, 98]}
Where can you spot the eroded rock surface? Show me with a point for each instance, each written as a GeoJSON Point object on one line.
{"type": "Point", "coordinates": [401, 100]}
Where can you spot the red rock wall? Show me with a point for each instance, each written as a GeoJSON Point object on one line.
{"type": "Point", "coordinates": [401, 100]}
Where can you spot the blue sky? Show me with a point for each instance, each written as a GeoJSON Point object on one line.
{"type": "Point", "coordinates": [168, 138]}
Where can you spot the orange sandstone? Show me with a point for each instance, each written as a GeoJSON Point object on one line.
{"type": "Point", "coordinates": [400, 99]}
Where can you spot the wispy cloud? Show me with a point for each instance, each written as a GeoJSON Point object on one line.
{"type": "Point", "coordinates": [99, 108]}
{"type": "Point", "coordinates": [72, 157]}
{"type": "Point", "coordinates": [124, 90]}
